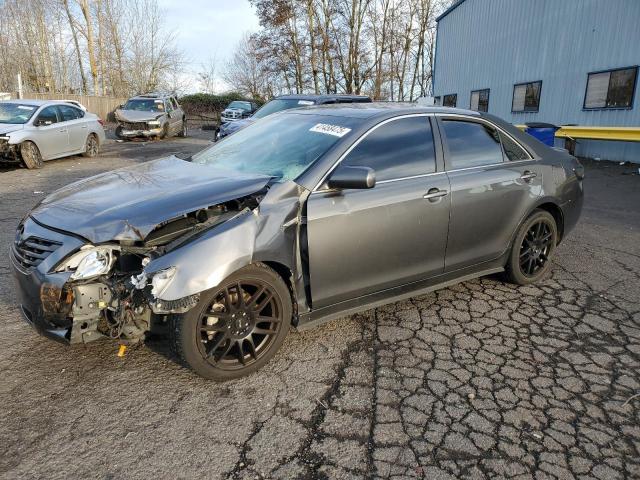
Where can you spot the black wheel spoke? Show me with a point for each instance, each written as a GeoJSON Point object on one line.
{"type": "Point", "coordinates": [252, 347]}
{"type": "Point", "coordinates": [226, 350]}
{"type": "Point", "coordinates": [263, 331]}
{"type": "Point", "coordinates": [261, 319]}
{"type": "Point", "coordinates": [254, 298]}
{"type": "Point", "coordinates": [264, 302]}
{"type": "Point", "coordinates": [216, 327]}
{"type": "Point", "coordinates": [216, 343]}
{"type": "Point", "coordinates": [240, 351]}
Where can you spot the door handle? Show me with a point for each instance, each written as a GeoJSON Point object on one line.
{"type": "Point", "coordinates": [527, 175]}
{"type": "Point", "coordinates": [435, 193]}
{"type": "Point", "coordinates": [63, 130]}
{"type": "Point", "coordinates": [84, 126]}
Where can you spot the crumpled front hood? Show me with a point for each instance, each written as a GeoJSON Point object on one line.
{"type": "Point", "coordinates": [10, 127]}
{"type": "Point", "coordinates": [129, 203]}
{"type": "Point", "coordinates": [136, 116]}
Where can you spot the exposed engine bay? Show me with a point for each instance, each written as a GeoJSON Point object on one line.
{"type": "Point", "coordinates": [123, 303]}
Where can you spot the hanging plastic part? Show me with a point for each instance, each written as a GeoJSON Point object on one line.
{"type": "Point", "coordinates": [122, 350]}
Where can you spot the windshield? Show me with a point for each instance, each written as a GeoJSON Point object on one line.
{"type": "Point", "coordinates": [281, 146]}
{"type": "Point", "coordinates": [144, 105]}
{"type": "Point", "coordinates": [240, 105]}
{"type": "Point", "coordinates": [16, 113]}
{"type": "Point", "coordinates": [278, 105]}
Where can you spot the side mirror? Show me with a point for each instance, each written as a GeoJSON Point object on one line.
{"type": "Point", "coordinates": [42, 123]}
{"type": "Point", "coordinates": [352, 177]}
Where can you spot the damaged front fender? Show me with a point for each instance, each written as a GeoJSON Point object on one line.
{"type": "Point", "coordinates": [266, 233]}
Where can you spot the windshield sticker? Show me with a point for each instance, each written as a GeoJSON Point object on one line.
{"type": "Point", "coordinates": [327, 129]}
{"type": "Point", "coordinates": [305, 102]}
{"type": "Point", "coordinates": [24, 107]}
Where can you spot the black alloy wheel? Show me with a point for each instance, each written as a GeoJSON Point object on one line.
{"type": "Point", "coordinates": [533, 248]}
{"type": "Point", "coordinates": [240, 324]}
{"type": "Point", "coordinates": [236, 327]}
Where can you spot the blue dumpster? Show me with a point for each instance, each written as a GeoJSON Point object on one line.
{"type": "Point", "coordinates": [545, 132]}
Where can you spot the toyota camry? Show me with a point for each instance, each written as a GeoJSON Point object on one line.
{"type": "Point", "coordinates": [305, 216]}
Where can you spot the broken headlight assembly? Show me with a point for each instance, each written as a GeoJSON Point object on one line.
{"type": "Point", "coordinates": [89, 262]}
{"type": "Point", "coordinates": [153, 123]}
{"type": "Point", "coordinates": [161, 279]}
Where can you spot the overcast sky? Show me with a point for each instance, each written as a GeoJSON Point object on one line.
{"type": "Point", "coordinates": [209, 28]}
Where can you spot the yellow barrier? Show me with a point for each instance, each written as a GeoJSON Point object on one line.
{"type": "Point", "coordinates": [623, 134]}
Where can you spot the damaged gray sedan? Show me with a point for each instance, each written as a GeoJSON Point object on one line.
{"type": "Point", "coordinates": [305, 216]}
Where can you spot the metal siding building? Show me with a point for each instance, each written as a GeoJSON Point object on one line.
{"type": "Point", "coordinates": [496, 44]}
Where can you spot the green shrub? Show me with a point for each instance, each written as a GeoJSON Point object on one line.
{"type": "Point", "coordinates": [209, 104]}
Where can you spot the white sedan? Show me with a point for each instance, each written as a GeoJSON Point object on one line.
{"type": "Point", "coordinates": [32, 131]}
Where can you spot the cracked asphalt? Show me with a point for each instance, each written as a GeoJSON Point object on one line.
{"type": "Point", "coordinates": [480, 380]}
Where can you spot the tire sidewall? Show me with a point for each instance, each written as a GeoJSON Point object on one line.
{"type": "Point", "coordinates": [32, 163]}
{"type": "Point", "coordinates": [87, 152]}
{"type": "Point", "coordinates": [189, 329]}
{"type": "Point", "coordinates": [515, 272]}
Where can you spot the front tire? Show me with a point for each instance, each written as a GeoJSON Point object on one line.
{"type": "Point", "coordinates": [533, 249]}
{"type": "Point", "coordinates": [30, 155]}
{"type": "Point", "coordinates": [235, 328]}
{"type": "Point", "coordinates": [183, 131]}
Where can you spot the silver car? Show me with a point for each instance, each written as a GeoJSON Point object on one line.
{"type": "Point", "coordinates": [32, 131]}
{"type": "Point", "coordinates": [154, 115]}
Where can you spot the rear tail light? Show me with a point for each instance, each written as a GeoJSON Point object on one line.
{"type": "Point", "coordinates": [101, 122]}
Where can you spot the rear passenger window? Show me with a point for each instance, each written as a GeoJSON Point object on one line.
{"type": "Point", "coordinates": [69, 113]}
{"type": "Point", "coordinates": [471, 144]}
{"type": "Point", "coordinates": [400, 148]}
{"type": "Point", "coordinates": [512, 150]}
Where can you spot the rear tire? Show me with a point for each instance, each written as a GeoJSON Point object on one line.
{"type": "Point", "coordinates": [92, 146]}
{"type": "Point", "coordinates": [30, 155]}
{"type": "Point", "coordinates": [533, 249]}
{"type": "Point", "coordinates": [235, 328]}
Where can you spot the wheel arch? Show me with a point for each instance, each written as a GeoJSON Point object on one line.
{"type": "Point", "coordinates": [556, 212]}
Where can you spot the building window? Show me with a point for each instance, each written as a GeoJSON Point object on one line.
{"type": "Point", "coordinates": [450, 100]}
{"type": "Point", "coordinates": [526, 97]}
{"type": "Point", "coordinates": [611, 89]}
{"type": "Point", "coordinates": [480, 100]}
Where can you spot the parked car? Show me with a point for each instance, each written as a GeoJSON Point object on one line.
{"type": "Point", "coordinates": [306, 216]}
{"type": "Point", "coordinates": [151, 115]}
{"type": "Point", "coordinates": [75, 103]}
{"type": "Point", "coordinates": [238, 110]}
{"type": "Point", "coordinates": [32, 131]}
{"type": "Point", "coordinates": [287, 102]}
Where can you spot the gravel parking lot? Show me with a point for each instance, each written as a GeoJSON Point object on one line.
{"type": "Point", "coordinates": [480, 380]}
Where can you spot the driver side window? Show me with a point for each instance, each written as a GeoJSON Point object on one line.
{"type": "Point", "coordinates": [48, 116]}
{"type": "Point", "coordinates": [397, 149]}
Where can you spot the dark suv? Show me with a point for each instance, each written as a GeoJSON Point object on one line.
{"type": "Point", "coordinates": [286, 102]}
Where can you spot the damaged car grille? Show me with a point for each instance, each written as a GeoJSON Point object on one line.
{"type": "Point", "coordinates": [30, 252]}
{"type": "Point", "coordinates": [134, 125]}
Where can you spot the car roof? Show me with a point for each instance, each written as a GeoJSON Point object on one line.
{"type": "Point", "coordinates": [323, 97]}
{"type": "Point", "coordinates": [368, 110]}
{"type": "Point", "coordinates": [36, 103]}
{"type": "Point", "coordinates": [151, 95]}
